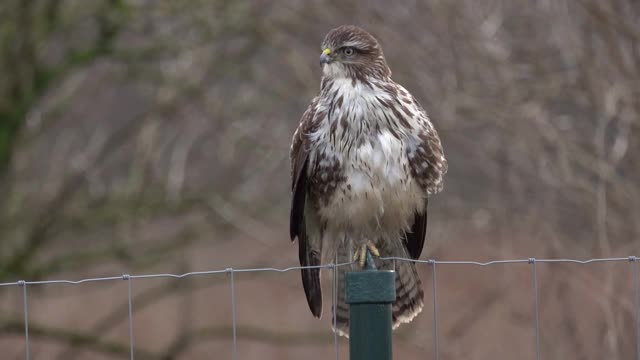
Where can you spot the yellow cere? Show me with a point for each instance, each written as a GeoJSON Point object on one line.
{"type": "Point", "coordinates": [326, 51]}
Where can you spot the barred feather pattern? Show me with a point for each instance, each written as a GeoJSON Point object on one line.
{"type": "Point", "coordinates": [365, 158]}
{"type": "Point", "coordinates": [409, 293]}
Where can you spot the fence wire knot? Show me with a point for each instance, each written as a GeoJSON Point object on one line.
{"type": "Point", "coordinates": [531, 260]}
{"type": "Point", "coordinates": [22, 283]}
{"type": "Point", "coordinates": [633, 258]}
{"type": "Point", "coordinates": [126, 276]}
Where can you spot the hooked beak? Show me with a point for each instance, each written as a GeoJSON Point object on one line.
{"type": "Point", "coordinates": [324, 57]}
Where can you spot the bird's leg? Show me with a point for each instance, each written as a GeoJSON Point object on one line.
{"type": "Point", "coordinates": [372, 247]}
{"type": "Point", "coordinates": [361, 254]}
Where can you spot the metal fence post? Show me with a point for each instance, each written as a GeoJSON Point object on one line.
{"type": "Point", "coordinates": [370, 294]}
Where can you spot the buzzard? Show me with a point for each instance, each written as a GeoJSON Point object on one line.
{"type": "Point", "coordinates": [365, 158]}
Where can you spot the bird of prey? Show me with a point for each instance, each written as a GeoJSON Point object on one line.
{"type": "Point", "coordinates": [365, 158]}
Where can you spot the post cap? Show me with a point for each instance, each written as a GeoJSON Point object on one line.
{"type": "Point", "coordinates": [370, 287]}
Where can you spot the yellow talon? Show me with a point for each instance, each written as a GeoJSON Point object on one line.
{"type": "Point", "coordinates": [361, 254]}
{"type": "Point", "coordinates": [374, 250]}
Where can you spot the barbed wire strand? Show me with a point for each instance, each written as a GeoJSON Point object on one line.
{"type": "Point", "coordinates": [233, 314]}
{"type": "Point", "coordinates": [536, 309]}
{"type": "Point", "coordinates": [130, 302]}
{"type": "Point", "coordinates": [435, 310]}
{"type": "Point", "coordinates": [635, 270]}
{"type": "Point", "coordinates": [25, 306]}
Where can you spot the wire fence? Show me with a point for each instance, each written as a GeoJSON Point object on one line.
{"type": "Point", "coordinates": [633, 261]}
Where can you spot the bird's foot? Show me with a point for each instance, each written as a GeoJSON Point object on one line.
{"type": "Point", "coordinates": [361, 254]}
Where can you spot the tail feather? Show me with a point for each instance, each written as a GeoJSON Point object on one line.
{"type": "Point", "coordinates": [409, 294]}
{"type": "Point", "coordinates": [340, 309]}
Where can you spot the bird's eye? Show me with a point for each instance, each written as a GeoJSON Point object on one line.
{"type": "Point", "coordinates": [348, 51]}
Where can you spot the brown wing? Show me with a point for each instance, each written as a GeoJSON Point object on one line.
{"type": "Point", "coordinates": [428, 167]}
{"type": "Point", "coordinates": [299, 158]}
{"type": "Point", "coordinates": [414, 240]}
{"type": "Point", "coordinates": [297, 226]}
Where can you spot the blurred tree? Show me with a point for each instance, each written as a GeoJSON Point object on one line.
{"type": "Point", "coordinates": [142, 136]}
{"type": "Point", "coordinates": [27, 26]}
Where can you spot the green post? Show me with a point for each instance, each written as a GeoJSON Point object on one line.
{"type": "Point", "coordinates": [370, 294]}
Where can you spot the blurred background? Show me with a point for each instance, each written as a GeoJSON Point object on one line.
{"type": "Point", "coordinates": [142, 136]}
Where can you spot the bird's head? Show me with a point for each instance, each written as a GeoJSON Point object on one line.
{"type": "Point", "coordinates": [350, 52]}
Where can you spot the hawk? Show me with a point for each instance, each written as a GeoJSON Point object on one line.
{"type": "Point", "coordinates": [365, 158]}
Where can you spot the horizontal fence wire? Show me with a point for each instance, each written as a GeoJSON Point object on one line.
{"type": "Point", "coordinates": [326, 266]}
{"type": "Point", "coordinates": [635, 269]}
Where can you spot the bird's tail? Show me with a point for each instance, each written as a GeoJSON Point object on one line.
{"type": "Point", "coordinates": [409, 293]}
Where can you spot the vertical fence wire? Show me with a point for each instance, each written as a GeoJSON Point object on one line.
{"type": "Point", "coordinates": [635, 276]}
{"type": "Point", "coordinates": [435, 310]}
{"type": "Point", "coordinates": [536, 309]}
{"type": "Point", "coordinates": [26, 318]}
{"type": "Point", "coordinates": [334, 300]}
{"type": "Point", "coordinates": [130, 302]}
{"type": "Point", "coordinates": [233, 314]}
